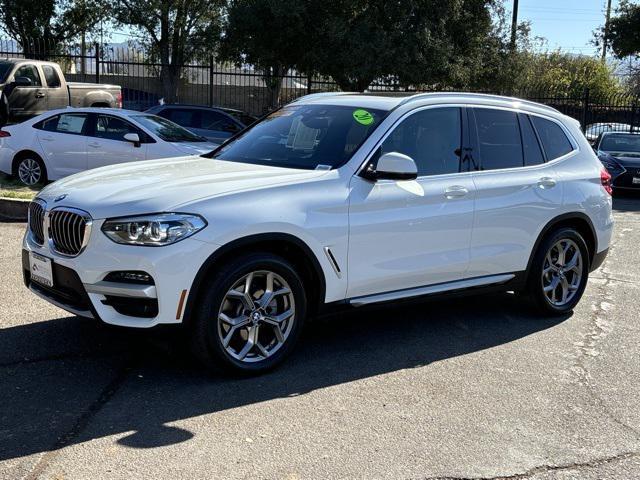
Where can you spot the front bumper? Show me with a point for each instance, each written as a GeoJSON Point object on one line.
{"type": "Point", "coordinates": [80, 286]}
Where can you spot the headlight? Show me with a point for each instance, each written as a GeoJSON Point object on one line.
{"type": "Point", "coordinates": [153, 230]}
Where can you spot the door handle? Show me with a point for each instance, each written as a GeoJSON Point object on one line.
{"type": "Point", "coordinates": [546, 182]}
{"type": "Point", "coordinates": [455, 191]}
{"type": "Point", "coordinates": [40, 94]}
{"type": "Point", "coordinates": [94, 144]}
{"type": "Point", "coordinates": [47, 139]}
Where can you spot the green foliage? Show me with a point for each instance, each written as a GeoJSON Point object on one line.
{"type": "Point", "coordinates": [177, 31]}
{"type": "Point", "coordinates": [272, 35]}
{"type": "Point", "coordinates": [624, 30]}
{"type": "Point", "coordinates": [39, 25]}
{"type": "Point", "coordinates": [565, 73]}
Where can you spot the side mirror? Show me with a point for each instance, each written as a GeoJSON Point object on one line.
{"type": "Point", "coordinates": [396, 166]}
{"type": "Point", "coordinates": [22, 82]}
{"type": "Point", "coordinates": [133, 138]}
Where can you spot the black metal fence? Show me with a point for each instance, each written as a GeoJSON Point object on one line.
{"type": "Point", "coordinates": [208, 82]}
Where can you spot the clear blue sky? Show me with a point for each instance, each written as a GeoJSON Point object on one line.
{"type": "Point", "coordinates": [568, 24]}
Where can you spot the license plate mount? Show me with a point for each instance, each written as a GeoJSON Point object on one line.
{"type": "Point", "coordinates": [41, 269]}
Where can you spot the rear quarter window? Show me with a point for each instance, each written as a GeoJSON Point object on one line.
{"type": "Point", "coordinates": [554, 141]}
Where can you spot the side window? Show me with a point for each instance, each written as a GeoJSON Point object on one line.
{"type": "Point", "coordinates": [51, 76]}
{"type": "Point", "coordinates": [183, 117]}
{"type": "Point", "coordinates": [50, 124]}
{"type": "Point", "coordinates": [498, 138]}
{"type": "Point", "coordinates": [113, 128]}
{"type": "Point", "coordinates": [530, 145]}
{"type": "Point", "coordinates": [554, 140]}
{"type": "Point", "coordinates": [217, 121]}
{"type": "Point", "coordinates": [31, 72]}
{"type": "Point", "coordinates": [432, 137]}
{"type": "Point", "coordinates": [71, 123]}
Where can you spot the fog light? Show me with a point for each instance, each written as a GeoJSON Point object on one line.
{"type": "Point", "coordinates": [130, 277]}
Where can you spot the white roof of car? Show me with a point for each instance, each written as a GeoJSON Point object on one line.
{"type": "Point", "coordinates": [116, 111]}
{"type": "Point", "coordinates": [390, 101]}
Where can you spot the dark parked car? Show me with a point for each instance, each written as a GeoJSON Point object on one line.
{"type": "Point", "coordinates": [620, 154]}
{"type": "Point", "coordinates": [213, 123]}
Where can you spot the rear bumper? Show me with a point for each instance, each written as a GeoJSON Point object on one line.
{"type": "Point", "coordinates": [598, 259]}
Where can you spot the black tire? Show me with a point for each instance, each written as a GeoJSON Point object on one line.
{"type": "Point", "coordinates": [535, 283]}
{"type": "Point", "coordinates": [26, 159]}
{"type": "Point", "coordinates": [204, 336]}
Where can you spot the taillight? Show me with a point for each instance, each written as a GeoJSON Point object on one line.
{"type": "Point", "coordinates": [4, 134]}
{"type": "Point", "coordinates": [605, 180]}
{"type": "Point", "coordinates": [119, 99]}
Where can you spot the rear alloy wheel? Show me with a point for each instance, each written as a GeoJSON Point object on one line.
{"type": "Point", "coordinates": [31, 171]}
{"type": "Point", "coordinates": [250, 316]}
{"type": "Point", "coordinates": [559, 272]}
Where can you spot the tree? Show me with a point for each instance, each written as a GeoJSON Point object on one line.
{"type": "Point", "coordinates": [416, 42]}
{"type": "Point", "coordinates": [176, 32]}
{"type": "Point", "coordinates": [271, 35]}
{"type": "Point", "coordinates": [624, 30]}
{"type": "Point", "coordinates": [39, 25]}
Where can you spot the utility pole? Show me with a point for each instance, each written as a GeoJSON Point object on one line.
{"type": "Point", "coordinates": [514, 24]}
{"type": "Point", "coordinates": [605, 37]}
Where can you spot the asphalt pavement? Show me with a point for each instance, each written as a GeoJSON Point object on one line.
{"type": "Point", "coordinates": [473, 388]}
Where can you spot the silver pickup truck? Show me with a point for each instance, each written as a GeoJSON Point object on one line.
{"type": "Point", "coordinates": [31, 87]}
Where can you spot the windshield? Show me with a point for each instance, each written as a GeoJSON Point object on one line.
{"type": "Point", "coordinates": [5, 68]}
{"type": "Point", "coordinates": [304, 136]}
{"type": "Point", "coordinates": [166, 129]}
{"type": "Point", "coordinates": [620, 143]}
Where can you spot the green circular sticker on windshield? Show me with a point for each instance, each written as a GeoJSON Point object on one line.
{"type": "Point", "coordinates": [363, 117]}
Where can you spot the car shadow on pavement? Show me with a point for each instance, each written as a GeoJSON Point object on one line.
{"type": "Point", "coordinates": [72, 380]}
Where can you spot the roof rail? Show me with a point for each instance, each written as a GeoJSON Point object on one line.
{"type": "Point", "coordinates": [419, 96]}
{"type": "Point", "coordinates": [312, 96]}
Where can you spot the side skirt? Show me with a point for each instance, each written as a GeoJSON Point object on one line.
{"type": "Point", "coordinates": [503, 280]}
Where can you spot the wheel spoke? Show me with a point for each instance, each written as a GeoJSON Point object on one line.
{"type": "Point", "coordinates": [573, 263]}
{"type": "Point", "coordinates": [565, 289]}
{"type": "Point", "coordinates": [268, 297]}
{"type": "Point", "coordinates": [278, 319]}
{"type": "Point", "coordinates": [234, 322]}
{"type": "Point", "coordinates": [251, 341]}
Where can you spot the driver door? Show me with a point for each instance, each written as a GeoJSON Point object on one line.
{"type": "Point", "coordinates": [407, 234]}
{"type": "Point", "coordinates": [27, 101]}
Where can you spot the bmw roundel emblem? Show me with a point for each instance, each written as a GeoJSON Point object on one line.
{"type": "Point", "coordinates": [60, 197]}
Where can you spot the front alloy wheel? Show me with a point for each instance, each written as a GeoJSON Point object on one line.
{"type": "Point", "coordinates": [249, 314]}
{"type": "Point", "coordinates": [256, 316]}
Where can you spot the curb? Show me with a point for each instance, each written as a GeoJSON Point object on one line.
{"type": "Point", "coordinates": [13, 209]}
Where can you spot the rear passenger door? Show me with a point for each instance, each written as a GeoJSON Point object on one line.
{"type": "Point", "coordinates": [63, 141]}
{"type": "Point", "coordinates": [517, 189]}
{"type": "Point", "coordinates": [57, 95]}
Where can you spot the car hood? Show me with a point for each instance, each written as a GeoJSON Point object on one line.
{"type": "Point", "coordinates": [163, 185]}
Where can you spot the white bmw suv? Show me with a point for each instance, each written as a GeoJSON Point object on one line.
{"type": "Point", "coordinates": [332, 199]}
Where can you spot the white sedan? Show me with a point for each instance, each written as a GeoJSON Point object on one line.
{"type": "Point", "coordinates": [59, 143]}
